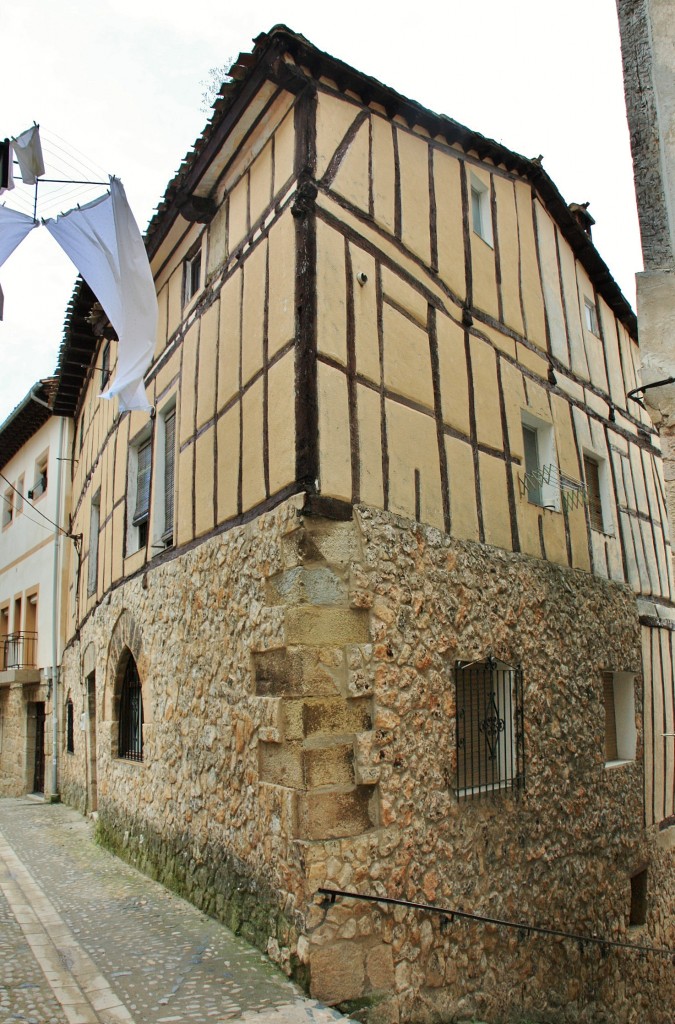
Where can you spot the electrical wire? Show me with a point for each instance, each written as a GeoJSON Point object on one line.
{"type": "Point", "coordinates": [30, 505]}
{"type": "Point", "coordinates": [22, 513]}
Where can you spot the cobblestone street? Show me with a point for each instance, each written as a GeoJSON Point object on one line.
{"type": "Point", "coordinates": [85, 938]}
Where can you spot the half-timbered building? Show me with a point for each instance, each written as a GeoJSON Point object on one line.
{"type": "Point", "coordinates": [379, 598]}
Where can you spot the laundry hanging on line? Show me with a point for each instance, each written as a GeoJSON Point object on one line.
{"type": "Point", "coordinates": [105, 244]}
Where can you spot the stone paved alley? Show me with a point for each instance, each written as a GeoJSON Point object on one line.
{"type": "Point", "coordinates": [84, 938]}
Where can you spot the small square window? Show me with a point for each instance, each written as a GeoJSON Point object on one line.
{"type": "Point", "coordinates": [481, 214]}
{"type": "Point", "coordinates": [192, 276]}
{"type": "Point", "coordinates": [591, 315]}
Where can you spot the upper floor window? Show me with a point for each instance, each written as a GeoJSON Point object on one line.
{"type": "Point", "coordinates": [40, 486]}
{"type": "Point", "coordinates": [594, 475]}
{"type": "Point", "coordinates": [481, 215]}
{"type": "Point", "coordinates": [165, 481]}
{"type": "Point", "coordinates": [138, 493]}
{"type": "Point", "coordinates": [94, 527]}
{"type": "Point", "coordinates": [105, 365]}
{"type": "Point", "coordinates": [192, 275]}
{"type": "Point", "coordinates": [7, 507]}
{"type": "Point", "coordinates": [591, 316]}
{"type": "Point", "coordinates": [20, 489]}
{"type": "Point", "coordinates": [541, 480]}
{"type": "Point", "coordinates": [142, 511]}
{"type": "Point", "coordinates": [490, 727]}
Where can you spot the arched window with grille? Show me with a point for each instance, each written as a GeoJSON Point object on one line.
{"type": "Point", "coordinates": [130, 744]}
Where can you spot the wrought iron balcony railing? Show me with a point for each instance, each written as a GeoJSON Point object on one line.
{"type": "Point", "coordinates": [19, 650]}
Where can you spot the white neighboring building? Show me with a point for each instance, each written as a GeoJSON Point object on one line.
{"type": "Point", "coordinates": [34, 493]}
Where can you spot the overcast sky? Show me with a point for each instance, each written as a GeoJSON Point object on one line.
{"type": "Point", "coordinates": [117, 88]}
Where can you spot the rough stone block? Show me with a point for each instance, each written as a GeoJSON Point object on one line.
{"type": "Point", "coordinates": [281, 764]}
{"type": "Point", "coordinates": [332, 814]}
{"type": "Point", "coordinates": [298, 672]}
{"type": "Point", "coordinates": [304, 585]}
{"type": "Point", "coordinates": [337, 972]}
{"type": "Point", "coordinates": [334, 542]}
{"type": "Point", "coordinates": [328, 766]}
{"type": "Point", "coordinates": [329, 715]}
{"type": "Point", "coordinates": [367, 771]}
{"type": "Point", "coordinates": [326, 627]}
{"type": "Point", "coordinates": [380, 968]}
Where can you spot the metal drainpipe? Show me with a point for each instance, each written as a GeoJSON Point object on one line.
{"type": "Point", "coordinates": [55, 622]}
{"type": "Point", "coordinates": [55, 596]}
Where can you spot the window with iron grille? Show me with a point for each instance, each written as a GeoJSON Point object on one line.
{"type": "Point", "coordinates": [490, 732]}
{"type": "Point", "coordinates": [70, 727]}
{"type": "Point", "coordinates": [130, 745]}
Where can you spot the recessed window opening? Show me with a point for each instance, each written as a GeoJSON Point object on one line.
{"type": "Point", "coordinates": [7, 507]}
{"type": "Point", "coordinates": [165, 478]}
{"type": "Point", "coordinates": [481, 214]}
{"type": "Point", "coordinates": [593, 494]}
{"type": "Point", "coordinates": [541, 479]}
{"type": "Point", "coordinates": [20, 487]}
{"type": "Point", "coordinates": [192, 274]}
{"type": "Point", "coordinates": [638, 898]}
{"type": "Point", "coordinates": [142, 505]}
{"type": "Point", "coordinates": [620, 729]}
{"type": "Point", "coordinates": [94, 528]}
{"type": "Point", "coordinates": [70, 727]}
{"type": "Point", "coordinates": [591, 317]}
{"type": "Point", "coordinates": [130, 743]}
{"type": "Point", "coordinates": [40, 486]}
{"type": "Point", "coordinates": [490, 727]}
{"type": "Point", "coordinates": [105, 365]}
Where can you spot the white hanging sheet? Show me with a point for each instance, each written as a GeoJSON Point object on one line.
{"type": "Point", "coordinates": [14, 227]}
{"type": "Point", "coordinates": [104, 242]}
{"type": "Point", "coordinates": [28, 152]}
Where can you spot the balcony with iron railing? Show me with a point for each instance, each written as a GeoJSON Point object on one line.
{"type": "Point", "coordinates": [18, 651]}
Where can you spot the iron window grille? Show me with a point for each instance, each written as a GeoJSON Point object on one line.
{"type": "Point", "coordinates": [19, 649]}
{"type": "Point", "coordinates": [490, 728]}
{"type": "Point", "coordinates": [130, 745]}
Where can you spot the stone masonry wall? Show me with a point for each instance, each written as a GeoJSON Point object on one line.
{"type": "Point", "coordinates": [299, 732]}
{"type": "Point", "coordinates": [560, 855]}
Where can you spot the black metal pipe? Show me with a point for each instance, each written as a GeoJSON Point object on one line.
{"type": "Point", "coordinates": [518, 926]}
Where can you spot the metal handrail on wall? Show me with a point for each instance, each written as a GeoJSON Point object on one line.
{"type": "Point", "coordinates": [19, 650]}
